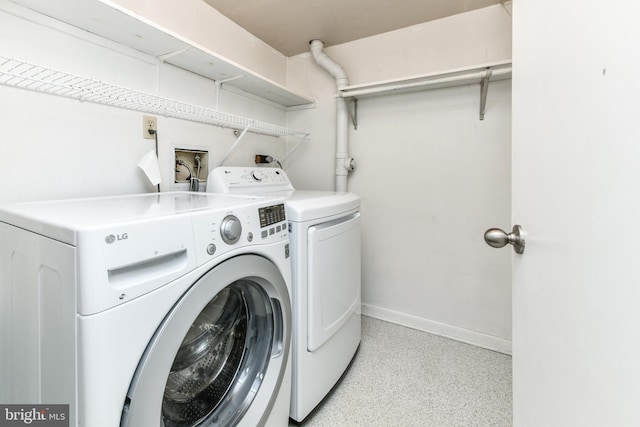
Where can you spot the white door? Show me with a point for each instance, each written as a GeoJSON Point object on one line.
{"type": "Point", "coordinates": [576, 192]}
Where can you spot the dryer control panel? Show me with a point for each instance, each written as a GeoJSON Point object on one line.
{"type": "Point", "coordinates": [243, 180]}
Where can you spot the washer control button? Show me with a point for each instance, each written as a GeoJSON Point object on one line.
{"type": "Point", "coordinates": [211, 249]}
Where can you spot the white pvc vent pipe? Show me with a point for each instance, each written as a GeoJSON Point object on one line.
{"type": "Point", "coordinates": [344, 164]}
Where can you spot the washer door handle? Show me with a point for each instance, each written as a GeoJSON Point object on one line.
{"type": "Point", "coordinates": [498, 238]}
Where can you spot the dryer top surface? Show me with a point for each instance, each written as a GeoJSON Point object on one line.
{"type": "Point", "coordinates": [303, 205]}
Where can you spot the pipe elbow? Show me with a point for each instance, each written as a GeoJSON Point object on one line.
{"type": "Point", "coordinates": [316, 48]}
{"type": "Point", "coordinates": [324, 61]}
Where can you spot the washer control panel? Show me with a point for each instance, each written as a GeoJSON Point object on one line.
{"type": "Point", "coordinates": [271, 215]}
{"type": "Point", "coordinates": [272, 220]}
{"type": "Point", "coordinates": [261, 223]}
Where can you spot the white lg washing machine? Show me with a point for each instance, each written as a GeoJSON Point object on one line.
{"type": "Point", "coordinates": [324, 228]}
{"type": "Point", "coordinates": [156, 310]}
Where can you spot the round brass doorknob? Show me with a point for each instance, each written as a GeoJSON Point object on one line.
{"type": "Point", "coordinates": [498, 238]}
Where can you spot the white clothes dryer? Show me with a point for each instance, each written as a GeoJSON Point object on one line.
{"type": "Point", "coordinates": [324, 229]}
{"type": "Point", "coordinates": [156, 310]}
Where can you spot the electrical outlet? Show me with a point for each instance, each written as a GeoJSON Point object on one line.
{"type": "Point", "coordinates": [149, 123]}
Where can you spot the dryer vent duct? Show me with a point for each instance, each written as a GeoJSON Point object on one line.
{"type": "Point", "coordinates": [344, 164]}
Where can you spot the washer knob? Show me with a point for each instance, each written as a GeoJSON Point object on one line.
{"type": "Point", "coordinates": [231, 229]}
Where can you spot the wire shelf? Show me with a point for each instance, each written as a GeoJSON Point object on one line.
{"type": "Point", "coordinates": [38, 78]}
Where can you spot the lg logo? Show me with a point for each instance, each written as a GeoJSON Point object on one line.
{"type": "Point", "coordinates": [111, 238]}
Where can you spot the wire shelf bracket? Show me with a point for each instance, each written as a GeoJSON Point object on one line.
{"type": "Point", "coordinates": [235, 144]}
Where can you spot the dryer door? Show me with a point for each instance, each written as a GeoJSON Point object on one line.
{"type": "Point", "coordinates": [333, 266]}
{"type": "Point", "coordinates": [220, 355]}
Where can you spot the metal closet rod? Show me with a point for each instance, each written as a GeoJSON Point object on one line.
{"type": "Point", "coordinates": [462, 78]}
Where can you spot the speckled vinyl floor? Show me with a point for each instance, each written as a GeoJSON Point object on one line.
{"type": "Point", "coordinates": [402, 377]}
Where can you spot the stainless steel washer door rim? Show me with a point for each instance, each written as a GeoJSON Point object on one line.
{"type": "Point", "coordinates": [220, 354]}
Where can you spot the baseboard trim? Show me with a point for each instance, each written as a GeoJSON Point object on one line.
{"type": "Point", "coordinates": [479, 339]}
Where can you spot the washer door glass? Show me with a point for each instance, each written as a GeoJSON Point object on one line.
{"type": "Point", "coordinates": [220, 354]}
{"type": "Point", "coordinates": [220, 359]}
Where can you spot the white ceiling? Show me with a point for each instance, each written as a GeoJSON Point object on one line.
{"type": "Point", "coordinates": [289, 25]}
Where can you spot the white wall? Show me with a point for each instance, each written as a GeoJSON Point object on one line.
{"type": "Point", "coordinates": [53, 147]}
{"type": "Point", "coordinates": [431, 175]}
